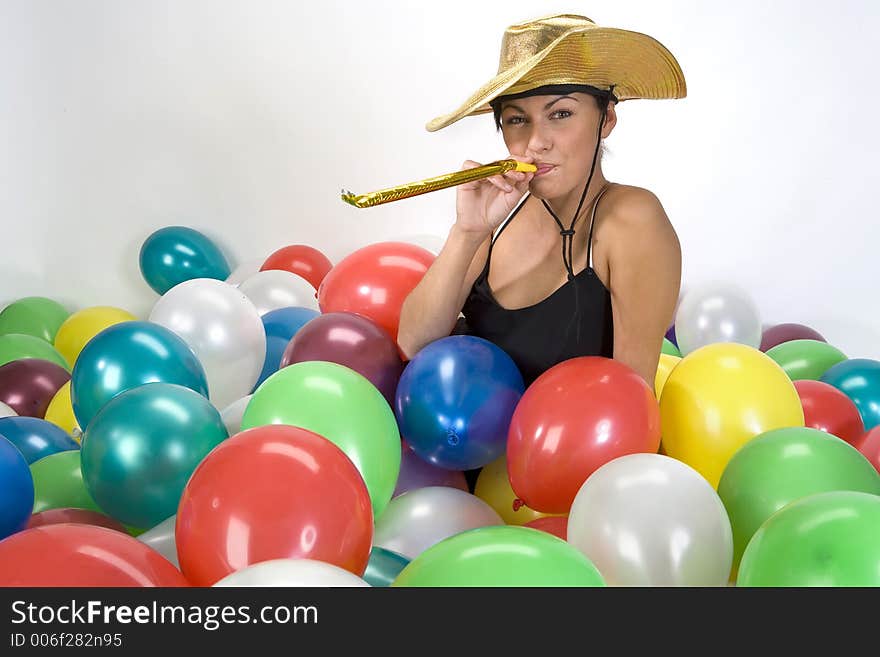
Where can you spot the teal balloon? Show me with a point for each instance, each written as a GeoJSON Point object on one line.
{"type": "Point", "coordinates": [128, 355]}
{"type": "Point", "coordinates": [384, 566]}
{"type": "Point", "coordinates": [175, 254]}
{"type": "Point", "coordinates": [141, 449]}
{"type": "Point", "coordinates": [859, 379]}
{"type": "Point", "coordinates": [35, 438]}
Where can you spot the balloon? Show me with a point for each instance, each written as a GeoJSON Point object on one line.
{"type": "Point", "coordinates": [415, 472]}
{"type": "Point", "coordinates": [15, 346]}
{"type": "Point", "coordinates": [806, 359]}
{"type": "Point", "coordinates": [455, 400]}
{"type": "Point", "coordinates": [280, 326]}
{"type": "Point", "coordinates": [716, 313]}
{"type": "Point", "coordinates": [670, 348]}
{"type": "Point", "coordinates": [244, 271]}
{"type": "Point", "coordinates": [384, 566]}
{"type": "Point", "coordinates": [374, 281]}
{"type": "Point", "coordinates": [36, 316]}
{"type": "Point", "coordinates": [128, 355]}
{"type": "Point", "coordinates": [16, 489]}
{"type": "Point", "coordinates": [720, 397]}
{"type": "Point", "coordinates": [776, 335]}
{"type": "Point", "coordinates": [828, 409]}
{"type": "Point", "coordinates": [784, 465]}
{"type": "Point", "coordinates": [28, 385]}
{"type": "Point", "coordinates": [493, 487]}
{"type": "Point", "coordinates": [670, 334]}
{"type": "Point", "coordinates": [500, 556]}
{"type": "Point", "coordinates": [161, 539]}
{"type": "Point", "coordinates": [223, 329]}
{"type": "Point", "coordinates": [78, 516]}
{"type": "Point", "coordinates": [83, 325]}
{"type": "Point", "coordinates": [341, 405]}
{"type": "Point", "coordinates": [270, 493]}
{"type": "Point", "coordinates": [35, 438]}
{"type": "Point", "coordinates": [232, 414]}
{"type": "Point", "coordinates": [664, 369]}
{"type": "Point", "coordinates": [5, 411]}
{"type": "Point", "coordinates": [302, 260]}
{"type": "Point", "coordinates": [353, 341]}
{"type": "Point", "coordinates": [270, 290]}
{"type": "Point", "coordinates": [141, 448]}
{"type": "Point", "coordinates": [556, 525]}
{"type": "Point", "coordinates": [60, 412]}
{"type": "Point", "coordinates": [416, 520]}
{"type": "Point", "coordinates": [58, 483]}
{"type": "Point", "coordinates": [291, 572]}
{"type": "Point", "coordinates": [175, 254]}
{"type": "Point", "coordinates": [859, 379]}
{"type": "Point", "coordinates": [69, 555]}
{"type": "Point", "coordinates": [574, 418]}
{"type": "Point", "coordinates": [869, 446]}
{"type": "Point", "coordinates": [830, 539]}
{"type": "Point", "coordinates": [649, 520]}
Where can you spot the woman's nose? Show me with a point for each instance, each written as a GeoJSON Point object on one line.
{"type": "Point", "coordinates": [538, 141]}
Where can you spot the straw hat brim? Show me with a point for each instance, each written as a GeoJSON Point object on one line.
{"type": "Point", "coordinates": [637, 64]}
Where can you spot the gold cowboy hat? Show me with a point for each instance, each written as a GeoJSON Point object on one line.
{"type": "Point", "coordinates": [572, 49]}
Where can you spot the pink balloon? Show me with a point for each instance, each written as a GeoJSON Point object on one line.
{"type": "Point", "coordinates": [27, 385]}
{"type": "Point", "coordinates": [775, 335]}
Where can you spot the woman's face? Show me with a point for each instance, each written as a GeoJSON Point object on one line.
{"type": "Point", "coordinates": [559, 132]}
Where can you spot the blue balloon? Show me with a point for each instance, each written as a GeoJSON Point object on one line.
{"type": "Point", "coordinates": [858, 379]}
{"type": "Point", "coordinates": [384, 566]}
{"type": "Point", "coordinates": [16, 490]}
{"type": "Point", "coordinates": [125, 356]}
{"type": "Point", "coordinates": [35, 438]}
{"type": "Point", "coordinates": [176, 254]}
{"type": "Point", "coordinates": [455, 400]}
{"type": "Point", "coordinates": [281, 325]}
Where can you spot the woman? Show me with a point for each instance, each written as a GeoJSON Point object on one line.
{"type": "Point", "coordinates": [614, 291]}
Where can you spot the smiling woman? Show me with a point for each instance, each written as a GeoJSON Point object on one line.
{"type": "Point", "coordinates": [614, 292]}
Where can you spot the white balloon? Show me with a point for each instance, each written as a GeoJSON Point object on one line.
{"type": "Point", "coordinates": [224, 330]}
{"type": "Point", "coordinates": [161, 539]}
{"type": "Point", "coordinates": [650, 520]}
{"type": "Point", "coordinates": [417, 519]}
{"type": "Point", "coordinates": [292, 572]}
{"type": "Point", "coordinates": [5, 411]}
{"type": "Point", "coordinates": [273, 289]}
{"type": "Point", "coordinates": [232, 415]}
{"type": "Point", "coordinates": [716, 312]}
{"type": "Point", "coordinates": [244, 271]}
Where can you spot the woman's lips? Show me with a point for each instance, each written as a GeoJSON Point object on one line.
{"type": "Point", "coordinates": [544, 168]}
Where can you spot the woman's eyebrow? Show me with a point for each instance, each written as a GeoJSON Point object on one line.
{"type": "Point", "coordinates": [546, 107]}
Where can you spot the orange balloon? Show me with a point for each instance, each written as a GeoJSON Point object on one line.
{"type": "Point", "coordinates": [556, 525]}
{"type": "Point", "coordinates": [301, 260]}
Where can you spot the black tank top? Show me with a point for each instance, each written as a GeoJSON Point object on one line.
{"type": "Point", "coordinates": [541, 335]}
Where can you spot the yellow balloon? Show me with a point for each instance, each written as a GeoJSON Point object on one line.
{"type": "Point", "coordinates": [85, 324]}
{"type": "Point", "coordinates": [493, 487]}
{"type": "Point", "coordinates": [60, 412]}
{"type": "Point", "coordinates": [664, 369]}
{"type": "Point", "coordinates": [718, 398]}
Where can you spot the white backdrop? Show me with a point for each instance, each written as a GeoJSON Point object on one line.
{"type": "Point", "coordinates": [245, 119]}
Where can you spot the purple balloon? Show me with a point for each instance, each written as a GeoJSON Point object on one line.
{"type": "Point", "coordinates": [351, 340]}
{"type": "Point", "coordinates": [415, 473]}
{"type": "Point", "coordinates": [670, 335]}
{"type": "Point", "coordinates": [27, 385]}
{"type": "Point", "coordinates": [780, 333]}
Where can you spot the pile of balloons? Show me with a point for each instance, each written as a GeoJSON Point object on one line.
{"type": "Point", "coordinates": [261, 427]}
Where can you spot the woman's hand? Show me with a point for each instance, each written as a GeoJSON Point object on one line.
{"type": "Point", "coordinates": [482, 205]}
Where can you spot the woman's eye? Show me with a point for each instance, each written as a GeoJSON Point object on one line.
{"type": "Point", "coordinates": [514, 120]}
{"type": "Point", "coordinates": [561, 114]}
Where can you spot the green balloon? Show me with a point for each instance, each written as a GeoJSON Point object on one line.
{"type": "Point", "coordinates": [784, 465]}
{"type": "Point", "coordinates": [670, 348]}
{"type": "Point", "coordinates": [58, 483]}
{"type": "Point", "coordinates": [828, 539]}
{"type": "Point", "coordinates": [806, 359]}
{"type": "Point", "coordinates": [14, 346]}
{"type": "Point", "coordinates": [501, 555]}
{"type": "Point", "coordinates": [36, 316]}
{"type": "Point", "coordinates": [339, 404]}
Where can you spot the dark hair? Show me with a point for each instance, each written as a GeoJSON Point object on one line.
{"type": "Point", "coordinates": [601, 96]}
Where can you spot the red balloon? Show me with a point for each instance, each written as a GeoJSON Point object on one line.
{"type": "Point", "coordinates": [273, 492]}
{"type": "Point", "coordinates": [556, 525]}
{"type": "Point", "coordinates": [828, 409]}
{"type": "Point", "coordinates": [302, 260]}
{"type": "Point", "coordinates": [574, 418]}
{"type": "Point", "coordinates": [776, 335]}
{"type": "Point", "coordinates": [82, 555]}
{"type": "Point", "coordinates": [28, 385]}
{"type": "Point", "coordinates": [869, 445]}
{"type": "Point", "coordinates": [79, 516]}
{"type": "Point", "coordinates": [374, 282]}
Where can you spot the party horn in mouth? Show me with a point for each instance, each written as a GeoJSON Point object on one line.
{"type": "Point", "coordinates": [433, 184]}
